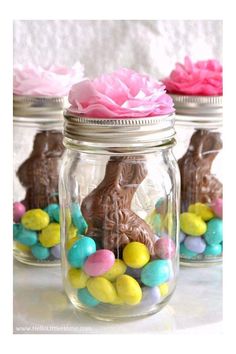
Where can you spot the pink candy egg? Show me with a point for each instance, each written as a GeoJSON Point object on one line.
{"type": "Point", "coordinates": [164, 248]}
{"type": "Point", "coordinates": [18, 211]}
{"type": "Point", "coordinates": [217, 207]}
{"type": "Point", "coordinates": [99, 262]}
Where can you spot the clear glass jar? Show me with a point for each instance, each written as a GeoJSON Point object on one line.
{"type": "Point", "coordinates": [38, 147]}
{"type": "Point", "coordinates": [199, 154]}
{"type": "Point", "coordinates": [119, 187]}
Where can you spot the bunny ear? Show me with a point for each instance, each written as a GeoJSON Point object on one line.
{"type": "Point", "coordinates": [206, 144]}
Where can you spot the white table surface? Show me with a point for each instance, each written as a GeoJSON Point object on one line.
{"type": "Point", "coordinates": [40, 306]}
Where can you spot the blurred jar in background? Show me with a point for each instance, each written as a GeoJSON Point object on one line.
{"type": "Point", "coordinates": [38, 103]}
{"type": "Point", "coordinates": [197, 93]}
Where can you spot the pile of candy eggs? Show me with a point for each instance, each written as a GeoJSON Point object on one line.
{"type": "Point", "coordinates": [36, 232]}
{"type": "Point", "coordinates": [201, 235]}
{"type": "Point", "coordinates": [96, 276]}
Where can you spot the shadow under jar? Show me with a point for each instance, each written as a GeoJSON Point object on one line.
{"type": "Point", "coordinates": [38, 148]}
{"type": "Point", "coordinates": [199, 154]}
{"type": "Point", "coordinates": [119, 186]}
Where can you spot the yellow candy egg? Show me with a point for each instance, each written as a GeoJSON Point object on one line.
{"type": "Point", "coordinates": [136, 255]}
{"type": "Point", "coordinates": [77, 278]}
{"type": "Point", "coordinates": [192, 224]}
{"type": "Point", "coordinates": [117, 301]}
{"type": "Point", "coordinates": [35, 219]}
{"type": "Point", "coordinates": [102, 289]}
{"type": "Point", "coordinates": [70, 242]}
{"type": "Point", "coordinates": [117, 269]}
{"type": "Point", "coordinates": [164, 289]}
{"type": "Point", "coordinates": [22, 247]}
{"type": "Point", "coordinates": [72, 232]}
{"type": "Point", "coordinates": [128, 289]}
{"type": "Point", "coordinates": [202, 210]}
{"type": "Point", "coordinates": [50, 236]}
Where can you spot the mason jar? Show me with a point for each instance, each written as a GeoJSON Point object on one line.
{"type": "Point", "coordinates": [119, 187]}
{"type": "Point", "coordinates": [199, 154]}
{"type": "Point", "coordinates": [38, 147]}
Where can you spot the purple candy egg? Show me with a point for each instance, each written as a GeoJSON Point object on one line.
{"type": "Point", "coordinates": [56, 251]}
{"type": "Point", "coordinates": [18, 211]}
{"type": "Point", "coordinates": [164, 248]}
{"type": "Point", "coordinates": [99, 262]}
{"type": "Point", "coordinates": [182, 236]}
{"type": "Point", "coordinates": [195, 244]}
{"type": "Point", "coordinates": [134, 272]}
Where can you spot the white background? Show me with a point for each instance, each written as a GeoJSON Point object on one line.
{"type": "Point", "coordinates": [104, 45]}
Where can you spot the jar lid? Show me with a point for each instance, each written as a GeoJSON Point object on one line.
{"type": "Point", "coordinates": [45, 108]}
{"type": "Point", "coordinates": [210, 106]}
{"type": "Point", "coordinates": [148, 131]}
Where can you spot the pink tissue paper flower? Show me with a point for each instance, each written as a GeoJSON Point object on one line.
{"type": "Point", "coordinates": [203, 78]}
{"type": "Point", "coordinates": [122, 94]}
{"type": "Point", "coordinates": [54, 81]}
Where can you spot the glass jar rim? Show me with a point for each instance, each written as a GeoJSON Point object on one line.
{"type": "Point", "coordinates": [43, 108]}
{"type": "Point", "coordinates": [201, 109]}
{"type": "Point", "coordinates": [146, 131]}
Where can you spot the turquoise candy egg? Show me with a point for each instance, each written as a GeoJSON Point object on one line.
{"type": "Point", "coordinates": [214, 232]}
{"type": "Point", "coordinates": [80, 251]}
{"type": "Point", "coordinates": [27, 237]}
{"type": "Point", "coordinates": [213, 250]}
{"type": "Point", "coordinates": [78, 219]}
{"type": "Point", "coordinates": [156, 223]}
{"type": "Point", "coordinates": [86, 298]}
{"type": "Point", "coordinates": [16, 229]}
{"type": "Point", "coordinates": [186, 253]}
{"type": "Point", "coordinates": [155, 273]}
{"type": "Point", "coordinates": [56, 214]}
{"type": "Point", "coordinates": [40, 252]}
{"type": "Point", "coordinates": [50, 210]}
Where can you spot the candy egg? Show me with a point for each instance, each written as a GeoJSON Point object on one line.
{"type": "Point", "coordinates": [71, 241]}
{"type": "Point", "coordinates": [50, 236]}
{"type": "Point", "coordinates": [22, 247]}
{"type": "Point", "coordinates": [72, 232]}
{"type": "Point", "coordinates": [217, 207]}
{"type": "Point", "coordinates": [181, 236]}
{"type": "Point", "coordinates": [40, 252]}
{"type": "Point", "coordinates": [56, 214]}
{"type": "Point", "coordinates": [86, 298]}
{"type": "Point", "coordinates": [78, 219]}
{"type": "Point", "coordinates": [155, 273]}
{"type": "Point", "coordinates": [50, 208]}
{"type": "Point", "coordinates": [214, 233]}
{"type": "Point", "coordinates": [18, 211]}
{"type": "Point", "coordinates": [202, 210]}
{"type": "Point", "coordinates": [56, 251]}
{"type": "Point", "coordinates": [195, 244]}
{"type": "Point", "coordinates": [117, 301]}
{"type": "Point", "coordinates": [80, 250]}
{"type": "Point", "coordinates": [101, 289]}
{"type": "Point", "coordinates": [35, 219]}
{"type": "Point", "coordinates": [77, 278]}
{"type": "Point", "coordinates": [213, 250]}
{"type": "Point", "coordinates": [135, 273]}
{"type": "Point", "coordinates": [99, 262]}
{"type": "Point", "coordinates": [164, 289]}
{"type": "Point", "coordinates": [186, 253]}
{"type": "Point", "coordinates": [151, 296]}
{"type": "Point", "coordinates": [128, 289]}
{"type": "Point", "coordinates": [192, 224]}
{"type": "Point", "coordinates": [156, 223]}
{"type": "Point", "coordinates": [136, 254]}
{"type": "Point", "coordinates": [116, 270]}
{"type": "Point", "coordinates": [27, 237]}
{"type": "Point", "coordinates": [164, 248]}
{"type": "Point", "coordinates": [16, 229]}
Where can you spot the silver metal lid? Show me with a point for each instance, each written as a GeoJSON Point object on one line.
{"type": "Point", "coordinates": [45, 108]}
{"type": "Point", "coordinates": [199, 106]}
{"type": "Point", "coordinates": [148, 131]}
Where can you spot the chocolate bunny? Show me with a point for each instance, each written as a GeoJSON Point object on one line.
{"type": "Point", "coordinates": [39, 173]}
{"type": "Point", "coordinates": [198, 184]}
{"type": "Point", "coordinates": [107, 209]}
